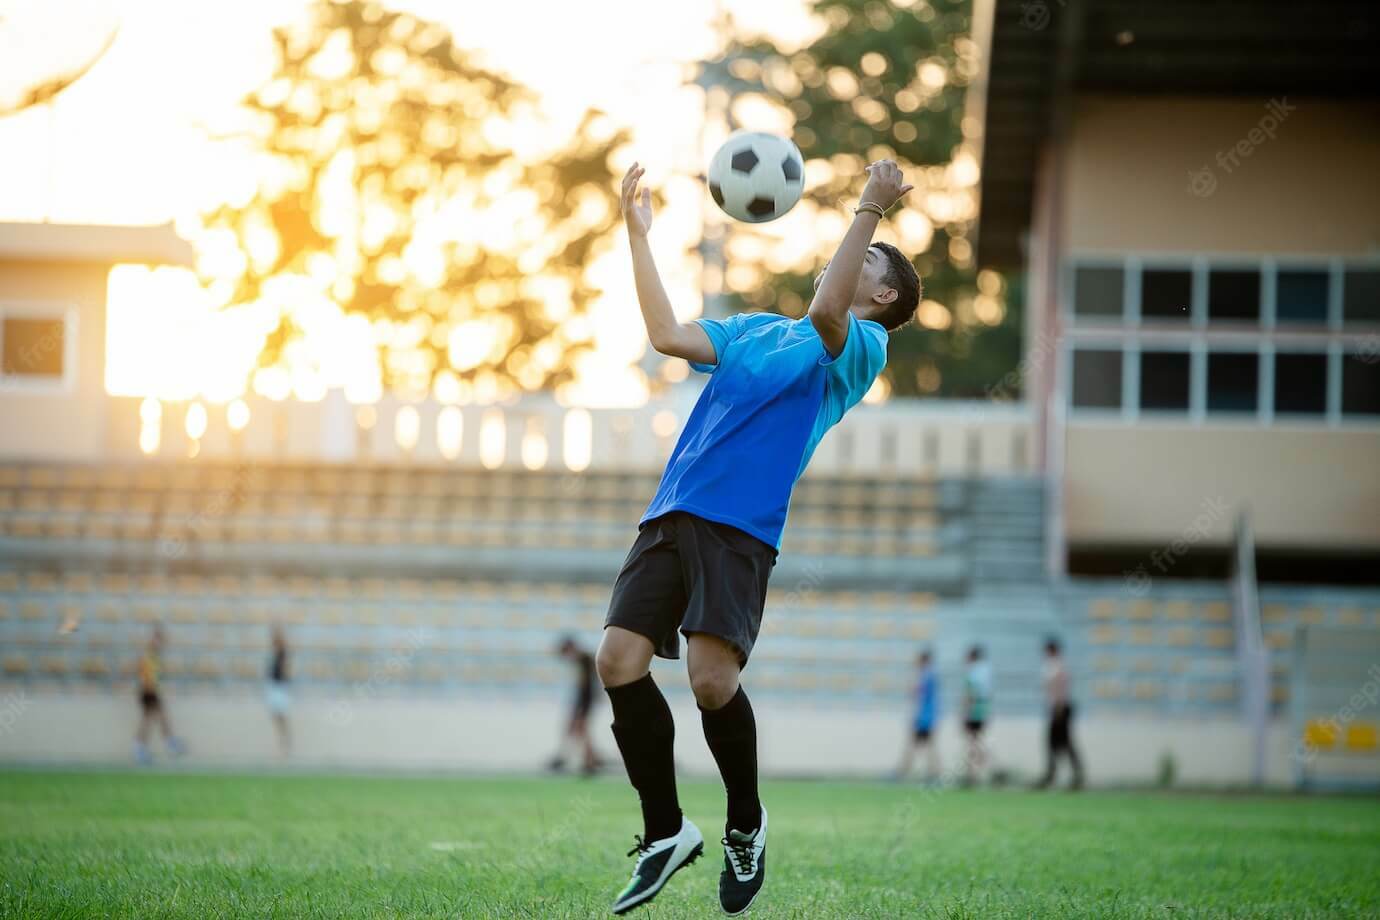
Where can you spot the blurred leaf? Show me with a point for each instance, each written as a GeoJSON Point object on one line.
{"type": "Point", "coordinates": [887, 80]}
{"type": "Point", "coordinates": [390, 184]}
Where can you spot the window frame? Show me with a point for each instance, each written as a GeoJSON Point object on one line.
{"type": "Point", "coordinates": [37, 384]}
{"type": "Point", "coordinates": [1333, 338]}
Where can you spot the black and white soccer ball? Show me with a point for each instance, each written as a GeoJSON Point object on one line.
{"type": "Point", "coordinates": [756, 177]}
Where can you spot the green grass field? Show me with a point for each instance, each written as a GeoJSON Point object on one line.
{"type": "Point", "coordinates": [204, 846]}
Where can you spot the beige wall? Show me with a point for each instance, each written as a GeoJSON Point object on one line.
{"type": "Point", "coordinates": [66, 423]}
{"type": "Point", "coordinates": [233, 729]}
{"type": "Point", "coordinates": [1310, 189]}
{"type": "Point", "coordinates": [1308, 487]}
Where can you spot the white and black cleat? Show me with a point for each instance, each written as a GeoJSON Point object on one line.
{"type": "Point", "coordinates": [657, 861]}
{"type": "Point", "coordinates": [745, 868]}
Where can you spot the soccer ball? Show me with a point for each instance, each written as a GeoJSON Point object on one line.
{"type": "Point", "coordinates": [756, 177]}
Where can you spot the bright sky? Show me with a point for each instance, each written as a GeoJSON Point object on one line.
{"type": "Point", "coordinates": [128, 143]}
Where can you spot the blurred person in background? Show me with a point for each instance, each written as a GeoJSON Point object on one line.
{"type": "Point", "coordinates": [1056, 681]}
{"type": "Point", "coordinates": [151, 702]}
{"type": "Point", "coordinates": [926, 713]}
{"type": "Point", "coordinates": [276, 694]}
{"type": "Point", "coordinates": [977, 704]}
{"type": "Point", "coordinates": [582, 701]}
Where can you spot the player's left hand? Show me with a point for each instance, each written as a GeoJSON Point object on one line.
{"type": "Point", "coordinates": [885, 184]}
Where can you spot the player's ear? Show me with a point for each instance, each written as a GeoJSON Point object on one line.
{"type": "Point", "coordinates": [886, 295]}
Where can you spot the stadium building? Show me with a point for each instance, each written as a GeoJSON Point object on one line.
{"type": "Point", "coordinates": [1186, 493]}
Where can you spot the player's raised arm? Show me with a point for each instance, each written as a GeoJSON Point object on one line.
{"type": "Point", "coordinates": [829, 309]}
{"type": "Point", "coordinates": [667, 334]}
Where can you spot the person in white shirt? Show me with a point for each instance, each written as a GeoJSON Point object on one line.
{"type": "Point", "coordinates": [1056, 681]}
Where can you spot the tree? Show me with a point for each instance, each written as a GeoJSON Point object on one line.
{"type": "Point", "coordinates": [886, 80]}
{"type": "Point", "coordinates": [391, 185]}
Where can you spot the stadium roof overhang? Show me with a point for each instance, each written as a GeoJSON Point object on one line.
{"type": "Point", "coordinates": [1042, 53]}
{"type": "Point", "coordinates": [35, 242]}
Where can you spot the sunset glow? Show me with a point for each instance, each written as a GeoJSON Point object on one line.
{"type": "Point", "coordinates": [155, 132]}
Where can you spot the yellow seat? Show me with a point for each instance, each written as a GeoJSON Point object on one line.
{"type": "Point", "coordinates": [1351, 616]}
{"type": "Point", "coordinates": [1320, 733]}
{"type": "Point", "coordinates": [1141, 610]}
{"type": "Point", "coordinates": [1107, 690]}
{"type": "Point", "coordinates": [1103, 608]}
{"type": "Point", "coordinates": [1179, 635]}
{"type": "Point", "coordinates": [921, 630]}
{"type": "Point", "coordinates": [1104, 635]}
{"type": "Point", "coordinates": [1219, 638]}
{"type": "Point", "coordinates": [1361, 736]}
{"type": "Point", "coordinates": [1148, 689]}
{"type": "Point", "coordinates": [1313, 616]}
{"type": "Point", "coordinates": [1216, 611]}
{"type": "Point", "coordinates": [1178, 610]}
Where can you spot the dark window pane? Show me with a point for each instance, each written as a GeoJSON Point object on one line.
{"type": "Point", "coordinates": [1300, 383]}
{"type": "Point", "coordinates": [1301, 297]}
{"type": "Point", "coordinates": [1097, 379]}
{"type": "Point", "coordinates": [1166, 294]}
{"type": "Point", "coordinates": [1361, 297]}
{"type": "Point", "coordinates": [1231, 381]}
{"type": "Point", "coordinates": [1097, 292]}
{"type": "Point", "coordinates": [32, 347]}
{"type": "Point", "coordinates": [1234, 295]}
{"type": "Point", "coordinates": [1361, 383]}
{"type": "Point", "coordinates": [1164, 380]}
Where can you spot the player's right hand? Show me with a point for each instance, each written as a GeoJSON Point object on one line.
{"type": "Point", "coordinates": [885, 184]}
{"type": "Point", "coordinates": [637, 212]}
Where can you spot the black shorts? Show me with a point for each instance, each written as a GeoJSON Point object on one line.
{"type": "Point", "coordinates": [974, 726]}
{"type": "Point", "coordinates": [1059, 735]}
{"type": "Point", "coordinates": [922, 733]}
{"type": "Point", "coordinates": [584, 702]}
{"type": "Point", "coordinates": [696, 576]}
{"type": "Point", "coordinates": [149, 700]}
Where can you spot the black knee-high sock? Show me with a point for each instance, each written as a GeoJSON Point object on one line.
{"type": "Point", "coordinates": [646, 733]}
{"type": "Point", "coordinates": [731, 732]}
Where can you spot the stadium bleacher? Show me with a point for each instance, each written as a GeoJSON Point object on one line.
{"type": "Point", "coordinates": [441, 580]}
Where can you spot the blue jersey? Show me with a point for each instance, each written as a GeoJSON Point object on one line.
{"type": "Point", "coordinates": [927, 704]}
{"type": "Point", "coordinates": [772, 394]}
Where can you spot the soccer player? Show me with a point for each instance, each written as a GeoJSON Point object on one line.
{"type": "Point", "coordinates": [926, 709]}
{"type": "Point", "coordinates": [276, 695]}
{"type": "Point", "coordinates": [707, 542]}
{"type": "Point", "coordinates": [151, 702]}
{"type": "Point", "coordinates": [1056, 680]}
{"type": "Point", "coordinates": [977, 701]}
{"type": "Point", "coordinates": [577, 729]}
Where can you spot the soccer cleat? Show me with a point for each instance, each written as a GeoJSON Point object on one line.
{"type": "Point", "coordinates": [745, 867]}
{"type": "Point", "coordinates": [657, 861]}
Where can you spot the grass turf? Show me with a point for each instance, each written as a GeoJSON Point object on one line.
{"type": "Point", "coordinates": [152, 845]}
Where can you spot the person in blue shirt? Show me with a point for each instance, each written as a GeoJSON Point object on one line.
{"type": "Point", "coordinates": [707, 542]}
{"type": "Point", "coordinates": [926, 714]}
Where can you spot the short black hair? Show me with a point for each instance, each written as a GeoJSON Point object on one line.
{"type": "Point", "coordinates": [901, 276]}
{"type": "Point", "coordinates": [1052, 645]}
